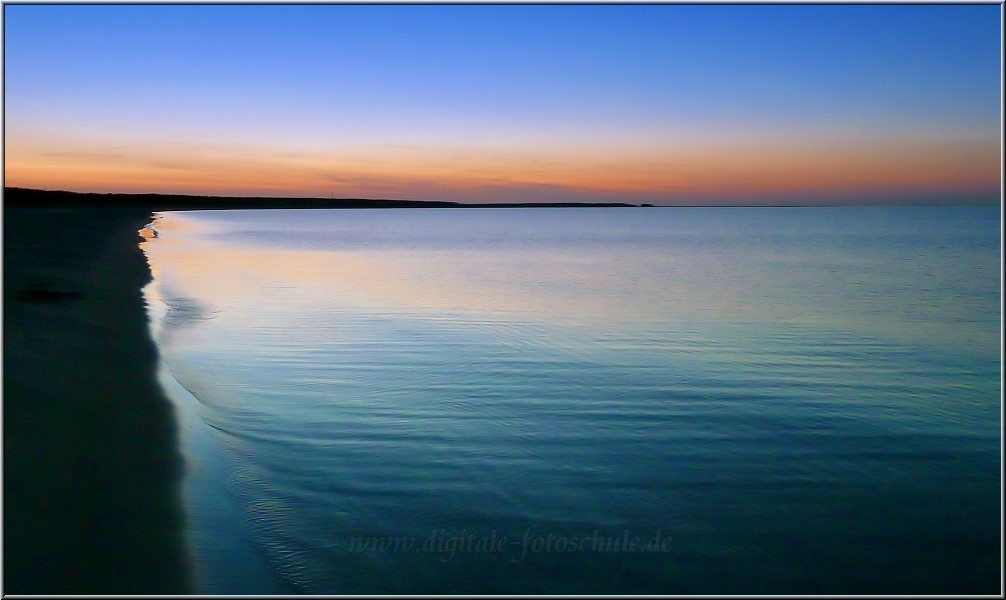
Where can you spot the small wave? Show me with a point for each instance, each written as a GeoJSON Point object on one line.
{"type": "Point", "coordinates": [182, 312]}
{"type": "Point", "coordinates": [148, 231]}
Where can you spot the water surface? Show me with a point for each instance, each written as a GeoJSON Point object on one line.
{"type": "Point", "coordinates": [787, 400]}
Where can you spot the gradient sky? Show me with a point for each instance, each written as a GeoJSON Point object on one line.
{"type": "Point", "coordinates": [669, 104]}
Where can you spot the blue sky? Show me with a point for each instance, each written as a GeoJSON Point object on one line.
{"type": "Point", "coordinates": [665, 103]}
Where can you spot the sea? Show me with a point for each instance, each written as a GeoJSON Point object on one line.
{"type": "Point", "coordinates": [632, 400]}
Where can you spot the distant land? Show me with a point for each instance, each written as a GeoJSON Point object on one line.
{"type": "Point", "coordinates": [24, 197]}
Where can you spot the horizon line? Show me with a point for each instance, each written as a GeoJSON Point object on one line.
{"type": "Point", "coordinates": [455, 204]}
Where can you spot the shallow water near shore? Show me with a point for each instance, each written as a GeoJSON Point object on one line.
{"type": "Point", "coordinates": [670, 401]}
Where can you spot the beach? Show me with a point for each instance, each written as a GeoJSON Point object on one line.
{"type": "Point", "coordinates": [91, 466]}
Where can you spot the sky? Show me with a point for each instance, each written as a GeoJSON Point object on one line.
{"type": "Point", "coordinates": [664, 104]}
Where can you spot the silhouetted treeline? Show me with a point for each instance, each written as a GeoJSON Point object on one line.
{"type": "Point", "coordinates": [23, 197]}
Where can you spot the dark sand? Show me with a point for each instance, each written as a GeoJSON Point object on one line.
{"type": "Point", "coordinates": [91, 465]}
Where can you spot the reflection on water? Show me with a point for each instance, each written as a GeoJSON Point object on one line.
{"type": "Point", "coordinates": [739, 380]}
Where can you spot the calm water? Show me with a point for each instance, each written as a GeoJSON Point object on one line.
{"type": "Point", "coordinates": [787, 400]}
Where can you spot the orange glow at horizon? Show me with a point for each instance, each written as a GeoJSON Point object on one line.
{"type": "Point", "coordinates": [724, 169]}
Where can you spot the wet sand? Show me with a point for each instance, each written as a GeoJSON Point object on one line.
{"type": "Point", "coordinates": [91, 465]}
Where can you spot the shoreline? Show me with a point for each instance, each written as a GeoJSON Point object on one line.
{"type": "Point", "coordinates": [92, 468]}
